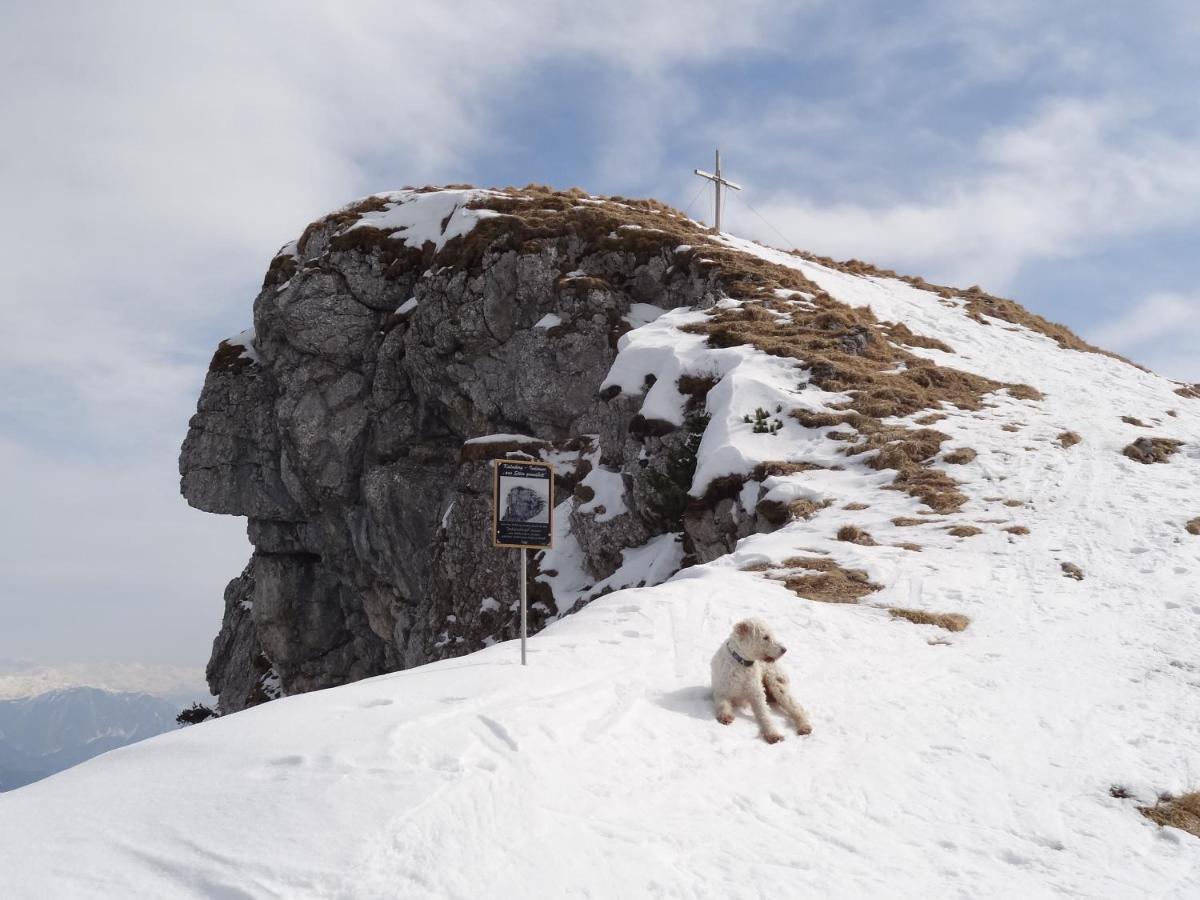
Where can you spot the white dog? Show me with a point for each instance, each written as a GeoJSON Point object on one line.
{"type": "Point", "coordinates": [745, 670]}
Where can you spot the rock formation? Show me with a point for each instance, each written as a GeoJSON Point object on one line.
{"type": "Point", "coordinates": [391, 334]}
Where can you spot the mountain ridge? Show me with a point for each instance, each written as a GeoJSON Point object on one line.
{"type": "Point", "coordinates": [400, 329]}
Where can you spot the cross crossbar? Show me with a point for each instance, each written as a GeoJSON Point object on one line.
{"type": "Point", "coordinates": [718, 183]}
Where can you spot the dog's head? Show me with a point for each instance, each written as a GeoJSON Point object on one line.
{"type": "Point", "coordinates": [753, 639]}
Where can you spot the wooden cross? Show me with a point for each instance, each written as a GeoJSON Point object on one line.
{"type": "Point", "coordinates": [718, 181]}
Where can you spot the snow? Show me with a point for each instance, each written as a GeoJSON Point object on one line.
{"type": "Point", "coordinates": [550, 320]}
{"type": "Point", "coordinates": [245, 340]}
{"type": "Point", "coordinates": [642, 314]}
{"type": "Point", "coordinates": [972, 764]}
{"type": "Point", "coordinates": [609, 488]}
{"type": "Point", "coordinates": [503, 439]}
{"type": "Point", "coordinates": [419, 216]}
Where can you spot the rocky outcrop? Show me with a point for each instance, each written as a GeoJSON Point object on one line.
{"type": "Point", "coordinates": [388, 336]}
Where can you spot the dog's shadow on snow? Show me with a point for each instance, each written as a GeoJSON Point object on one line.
{"type": "Point", "coordinates": [689, 701]}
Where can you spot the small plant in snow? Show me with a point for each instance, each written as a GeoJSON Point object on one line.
{"type": "Point", "coordinates": [195, 714]}
{"type": "Point", "coordinates": [762, 422]}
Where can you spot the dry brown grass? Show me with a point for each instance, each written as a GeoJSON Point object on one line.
{"type": "Point", "coordinates": [1014, 502]}
{"type": "Point", "coordinates": [907, 451]}
{"type": "Point", "coordinates": [1011, 426]}
{"type": "Point", "coordinates": [852, 534]}
{"type": "Point", "coordinates": [949, 621]}
{"type": "Point", "coordinates": [929, 418]}
{"type": "Point", "coordinates": [764, 470]}
{"type": "Point", "coordinates": [901, 334]}
{"type": "Point", "coordinates": [1147, 450]}
{"type": "Point", "coordinates": [1070, 570]}
{"type": "Point", "coordinates": [934, 488]}
{"type": "Point", "coordinates": [965, 531]}
{"type": "Point", "coordinates": [1190, 391]}
{"type": "Point", "coordinates": [1130, 420]}
{"type": "Point", "coordinates": [1193, 526]}
{"type": "Point", "coordinates": [827, 582]}
{"type": "Point", "coordinates": [978, 304]}
{"type": "Point", "coordinates": [229, 358]}
{"type": "Point", "coordinates": [1017, 529]}
{"type": "Point", "coordinates": [1181, 812]}
{"type": "Point", "coordinates": [961, 456]}
{"type": "Point", "coordinates": [900, 448]}
{"type": "Point", "coordinates": [1069, 439]}
{"type": "Point", "coordinates": [1025, 392]}
{"type": "Point", "coordinates": [908, 545]}
{"type": "Point", "coordinates": [856, 506]}
{"type": "Point", "coordinates": [779, 513]}
{"type": "Point", "coordinates": [910, 521]}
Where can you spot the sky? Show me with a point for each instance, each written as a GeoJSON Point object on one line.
{"type": "Point", "coordinates": [156, 155]}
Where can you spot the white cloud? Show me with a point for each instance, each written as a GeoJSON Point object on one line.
{"type": "Point", "coordinates": [1078, 173]}
{"type": "Point", "coordinates": [1162, 330]}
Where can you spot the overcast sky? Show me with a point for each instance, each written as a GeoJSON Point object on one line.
{"type": "Point", "coordinates": [155, 155]}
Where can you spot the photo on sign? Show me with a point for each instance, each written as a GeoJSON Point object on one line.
{"type": "Point", "coordinates": [526, 500]}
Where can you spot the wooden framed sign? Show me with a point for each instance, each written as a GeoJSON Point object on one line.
{"type": "Point", "coordinates": [523, 504]}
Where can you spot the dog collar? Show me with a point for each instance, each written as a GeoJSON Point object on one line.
{"type": "Point", "coordinates": [745, 662]}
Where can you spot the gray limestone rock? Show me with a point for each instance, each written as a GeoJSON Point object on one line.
{"type": "Point", "coordinates": [342, 443]}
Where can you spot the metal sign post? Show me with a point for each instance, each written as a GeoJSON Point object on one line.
{"type": "Point", "coordinates": [523, 516]}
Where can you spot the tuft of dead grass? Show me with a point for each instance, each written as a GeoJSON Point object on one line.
{"type": "Point", "coordinates": [1014, 502]}
{"type": "Point", "coordinates": [934, 488]}
{"type": "Point", "coordinates": [765, 470]}
{"type": "Point", "coordinates": [965, 531]}
{"type": "Point", "coordinates": [1130, 420]}
{"type": "Point", "coordinates": [1148, 450]}
{"type": "Point", "coordinates": [949, 621]}
{"type": "Point", "coordinates": [825, 581]}
{"type": "Point", "coordinates": [910, 521]}
{"type": "Point", "coordinates": [1025, 392]}
{"type": "Point", "coordinates": [1193, 526]}
{"type": "Point", "coordinates": [908, 545]}
{"type": "Point", "coordinates": [1189, 391]}
{"type": "Point", "coordinates": [857, 506]}
{"type": "Point", "coordinates": [852, 534]}
{"type": "Point", "coordinates": [901, 334]}
{"type": "Point", "coordinates": [779, 513]}
{"type": "Point", "coordinates": [929, 418]}
{"type": "Point", "coordinates": [1017, 529]}
{"type": "Point", "coordinates": [1069, 439]}
{"type": "Point", "coordinates": [1181, 812]}
{"type": "Point", "coordinates": [1070, 570]}
{"type": "Point", "coordinates": [229, 358]}
{"type": "Point", "coordinates": [1010, 427]}
{"type": "Point", "coordinates": [961, 456]}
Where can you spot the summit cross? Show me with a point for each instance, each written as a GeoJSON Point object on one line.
{"type": "Point", "coordinates": [718, 181]}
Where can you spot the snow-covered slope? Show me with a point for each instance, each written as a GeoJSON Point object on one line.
{"type": "Point", "coordinates": [977, 763]}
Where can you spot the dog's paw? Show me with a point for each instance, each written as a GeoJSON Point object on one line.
{"type": "Point", "coordinates": [725, 719]}
{"type": "Point", "coordinates": [772, 737]}
{"type": "Point", "coordinates": [804, 729]}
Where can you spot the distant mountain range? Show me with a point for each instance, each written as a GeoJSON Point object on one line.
{"type": "Point", "coordinates": [53, 731]}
